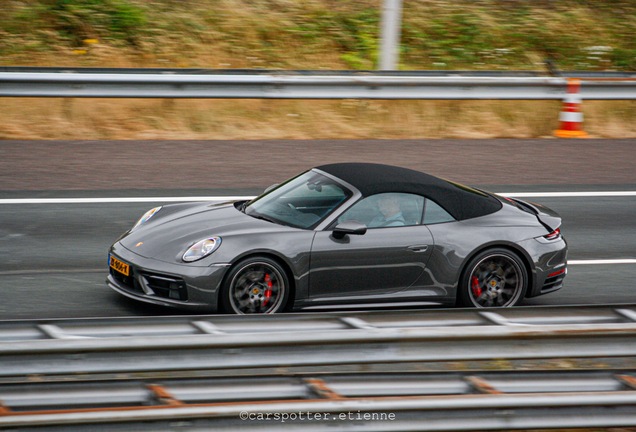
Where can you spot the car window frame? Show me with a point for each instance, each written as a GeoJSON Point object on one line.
{"type": "Point", "coordinates": [362, 198]}
{"type": "Point", "coordinates": [427, 199]}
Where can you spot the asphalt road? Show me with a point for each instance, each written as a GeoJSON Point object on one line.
{"type": "Point", "coordinates": [53, 256]}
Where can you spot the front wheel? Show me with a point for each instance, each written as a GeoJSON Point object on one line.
{"type": "Point", "coordinates": [494, 278]}
{"type": "Point", "coordinates": [255, 286]}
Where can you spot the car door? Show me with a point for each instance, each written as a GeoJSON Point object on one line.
{"type": "Point", "coordinates": [384, 260]}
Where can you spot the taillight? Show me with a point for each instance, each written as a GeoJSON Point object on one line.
{"type": "Point", "coordinates": [553, 235]}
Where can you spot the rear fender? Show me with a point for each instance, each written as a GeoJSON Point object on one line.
{"type": "Point", "coordinates": [546, 216]}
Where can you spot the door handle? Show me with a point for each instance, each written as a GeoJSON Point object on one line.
{"type": "Point", "coordinates": [418, 248]}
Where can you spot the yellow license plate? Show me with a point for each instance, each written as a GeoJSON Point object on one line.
{"type": "Point", "coordinates": [120, 266]}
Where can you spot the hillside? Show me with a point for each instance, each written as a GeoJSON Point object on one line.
{"type": "Point", "coordinates": [503, 35]}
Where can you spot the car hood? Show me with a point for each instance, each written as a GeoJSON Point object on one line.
{"type": "Point", "coordinates": [167, 236]}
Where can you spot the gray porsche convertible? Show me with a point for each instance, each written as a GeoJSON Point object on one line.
{"type": "Point", "coordinates": [342, 236]}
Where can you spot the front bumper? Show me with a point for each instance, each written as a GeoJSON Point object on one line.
{"type": "Point", "coordinates": [175, 285]}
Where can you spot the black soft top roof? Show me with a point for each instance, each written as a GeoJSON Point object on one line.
{"type": "Point", "coordinates": [460, 201]}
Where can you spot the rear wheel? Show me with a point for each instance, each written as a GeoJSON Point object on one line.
{"type": "Point", "coordinates": [257, 285]}
{"type": "Point", "coordinates": [494, 278]}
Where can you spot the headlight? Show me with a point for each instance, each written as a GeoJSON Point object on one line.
{"type": "Point", "coordinates": [201, 249]}
{"type": "Point", "coordinates": [150, 213]}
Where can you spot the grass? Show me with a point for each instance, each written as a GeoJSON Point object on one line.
{"type": "Point", "coordinates": [79, 119]}
{"type": "Point", "coordinates": [312, 34]}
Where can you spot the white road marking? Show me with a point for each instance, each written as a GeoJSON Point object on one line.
{"type": "Point", "coordinates": [236, 198]}
{"type": "Point", "coordinates": [602, 261]}
{"type": "Point", "coordinates": [568, 194]}
{"type": "Point", "coordinates": [120, 200]}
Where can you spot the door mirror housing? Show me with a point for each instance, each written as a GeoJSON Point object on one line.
{"type": "Point", "coordinates": [349, 228]}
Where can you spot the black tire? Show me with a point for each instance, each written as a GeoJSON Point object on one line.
{"type": "Point", "coordinates": [493, 278]}
{"type": "Point", "coordinates": [256, 285]}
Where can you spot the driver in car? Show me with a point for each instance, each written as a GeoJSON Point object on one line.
{"type": "Point", "coordinates": [390, 212]}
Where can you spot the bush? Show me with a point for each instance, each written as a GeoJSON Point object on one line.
{"type": "Point", "coordinates": [78, 20]}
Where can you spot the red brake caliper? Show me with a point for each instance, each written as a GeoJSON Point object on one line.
{"type": "Point", "coordinates": [474, 285]}
{"type": "Point", "coordinates": [268, 291]}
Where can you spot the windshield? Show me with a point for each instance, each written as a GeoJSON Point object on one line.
{"type": "Point", "coordinates": [302, 202]}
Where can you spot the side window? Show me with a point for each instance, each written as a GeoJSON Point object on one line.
{"type": "Point", "coordinates": [386, 210]}
{"type": "Point", "coordinates": [434, 214]}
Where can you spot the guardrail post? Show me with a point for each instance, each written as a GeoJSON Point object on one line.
{"type": "Point", "coordinates": [390, 34]}
{"type": "Point", "coordinates": [67, 108]}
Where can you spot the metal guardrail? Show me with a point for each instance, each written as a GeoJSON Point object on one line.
{"type": "Point", "coordinates": [308, 72]}
{"type": "Point", "coordinates": [314, 342]}
{"type": "Point", "coordinates": [388, 402]}
{"type": "Point", "coordinates": [200, 372]}
{"type": "Point", "coordinates": [120, 83]}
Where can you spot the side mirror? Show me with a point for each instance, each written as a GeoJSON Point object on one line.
{"type": "Point", "coordinates": [349, 228]}
{"type": "Point", "coordinates": [271, 188]}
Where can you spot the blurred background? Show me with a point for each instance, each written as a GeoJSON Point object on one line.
{"type": "Point", "coordinates": [494, 35]}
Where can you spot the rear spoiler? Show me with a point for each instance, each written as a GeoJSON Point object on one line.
{"type": "Point", "coordinates": [548, 217]}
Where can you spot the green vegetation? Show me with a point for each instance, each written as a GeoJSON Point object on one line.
{"type": "Point", "coordinates": [78, 20]}
{"type": "Point", "coordinates": [319, 34]}
{"type": "Point", "coordinates": [312, 34]}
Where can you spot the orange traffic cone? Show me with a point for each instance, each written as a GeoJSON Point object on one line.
{"type": "Point", "coordinates": [571, 116]}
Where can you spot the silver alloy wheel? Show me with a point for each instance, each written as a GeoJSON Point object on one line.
{"type": "Point", "coordinates": [258, 287]}
{"type": "Point", "coordinates": [496, 280]}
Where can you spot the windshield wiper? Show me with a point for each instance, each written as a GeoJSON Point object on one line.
{"type": "Point", "coordinates": [262, 217]}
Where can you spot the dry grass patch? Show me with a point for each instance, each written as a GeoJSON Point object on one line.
{"type": "Point", "coordinates": [79, 119]}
